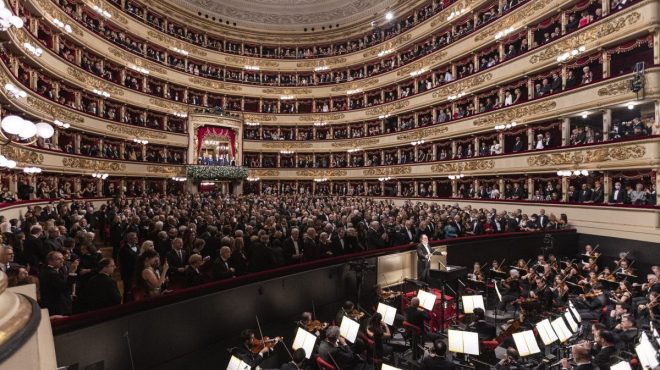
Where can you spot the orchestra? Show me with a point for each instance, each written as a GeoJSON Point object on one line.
{"type": "Point", "coordinates": [613, 307]}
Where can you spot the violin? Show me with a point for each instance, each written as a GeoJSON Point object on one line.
{"type": "Point", "coordinates": [388, 294]}
{"type": "Point", "coordinates": [315, 325]}
{"type": "Point", "coordinates": [355, 314]}
{"type": "Point", "coordinates": [257, 345]}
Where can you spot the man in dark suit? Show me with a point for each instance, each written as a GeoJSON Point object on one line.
{"type": "Point", "coordinates": [101, 290]}
{"type": "Point", "coordinates": [292, 248]}
{"type": "Point", "coordinates": [618, 195]}
{"type": "Point", "coordinates": [436, 358]}
{"type": "Point", "coordinates": [375, 238]}
{"type": "Point", "coordinates": [7, 259]}
{"type": "Point", "coordinates": [598, 194]}
{"type": "Point", "coordinates": [517, 192]}
{"type": "Point", "coordinates": [335, 351]}
{"type": "Point", "coordinates": [542, 220]}
{"type": "Point", "coordinates": [221, 267]}
{"type": "Point", "coordinates": [409, 233]}
{"type": "Point", "coordinates": [55, 284]}
{"type": "Point", "coordinates": [33, 247]}
{"type": "Point", "coordinates": [608, 350]}
{"type": "Point", "coordinates": [582, 357]}
{"type": "Point", "coordinates": [477, 226]}
{"type": "Point", "coordinates": [127, 261]}
{"type": "Point", "coordinates": [486, 331]}
{"type": "Point", "coordinates": [310, 249]}
{"type": "Point", "coordinates": [518, 145]}
{"type": "Point", "coordinates": [261, 257]}
{"type": "Point", "coordinates": [585, 194]}
{"type": "Point", "coordinates": [457, 223]}
{"type": "Point", "coordinates": [423, 258]}
{"type": "Point", "coordinates": [177, 258]}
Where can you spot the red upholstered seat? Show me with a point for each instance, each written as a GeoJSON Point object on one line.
{"type": "Point", "coordinates": [412, 329]}
{"type": "Point", "coordinates": [489, 344]}
{"type": "Point", "coordinates": [323, 365]}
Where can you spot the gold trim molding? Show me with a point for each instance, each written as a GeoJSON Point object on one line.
{"type": "Point", "coordinates": [619, 87]}
{"type": "Point", "coordinates": [617, 153]}
{"type": "Point", "coordinates": [176, 107]}
{"type": "Point", "coordinates": [214, 84]}
{"type": "Point", "coordinates": [136, 132]}
{"type": "Point", "coordinates": [478, 165]}
{"type": "Point", "coordinates": [590, 35]}
{"type": "Point", "coordinates": [392, 44]}
{"type": "Point", "coordinates": [55, 12]}
{"type": "Point", "coordinates": [509, 115]}
{"type": "Point", "coordinates": [91, 82]}
{"type": "Point", "coordinates": [321, 63]}
{"type": "Point", "coordinates": [421, 64]}
{"type": "Point", "coordinates": [170, 170]}
{"type": "Point", "coordinates": [362, 84]}
{"type": "Point", "coordinates": [443, 16]}
{"type": "Point", "coordinates": [259, 117]}
{"type": "Point", "coordinates": [55, 111]}
{"type": "Point", "coordinates": [321, 173]}
{"type": "Point", "coordinates": [387, 108]}
{"type": "Point", "coordinates": [244, 61]}
{"type": "Point", "coordinates": [356, 143]}
{"type": "Point", "coordinates": [286, 91]}
{"type": "Point", "coordinates": [95, 165]}
{"type": "Point", "coordinates": [423, 133]}
{"type": "Point", "coordinates": [22, 155]}
{"type": "Point", "coordinates": [264, 173]}
{"type": "Point", "coordinates": [174, 43]}
{"type": "Point", "coordinates": [512, 19]}
{"type": "Point", "coordinates": [463, 85]}
{"type": "Point", "coordinates": [387, 171]}
{"type": "Point", "coordinates": [322, 117]}
{"type": "Point", "coordinates": [286, 145]}
{"type": "Point", "coordinates": [130, 58]}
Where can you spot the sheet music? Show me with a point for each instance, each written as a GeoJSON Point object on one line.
{"type": "Point", "coordinates": [463, 342]}
{"type": "Point", "coordinates": [304, 340]}
{"type": "Point", "coordinates": [388, 367]}
{"type": "Point", "coordinates": [563, 332]}
{"type": "Point", "coordinates": [349, 329]}
{"type": "Point", "coordinates": [623, 365]}
{"type": "Point", "coordinates": [526, 343]}
{"type": "Point", "coordinates": [576, 315]}
{"type": "Point", "coordinates": [388, 312]}
{"type": "Point", "coordinates": [646, 353]}
{"type": "Point", "coordinates": [571, 322]}
{"type": "Point", "coordinates": [547, 334]}
{"type": "Point", "coordinates": [236, 363]}
{"type": "Point", "coordinates": [426, 300]}
{"type": "Point", "coordinates": [497, 290]}
{"type": "Point", "coordinates": [470, 302]}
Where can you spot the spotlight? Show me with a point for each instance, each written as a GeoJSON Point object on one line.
{"type": "Point", "coordinates": [389, 16]}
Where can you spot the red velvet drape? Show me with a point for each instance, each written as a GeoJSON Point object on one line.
{"type": "Point", "coordinates": [202, 132]}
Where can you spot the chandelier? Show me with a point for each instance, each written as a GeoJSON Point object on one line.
{"type": "Point", "coordinates": [17, 129]}
{"type": "Point", "coordinates": [101, 176]}
{"type": "Point", "coordinates": [8, 19]}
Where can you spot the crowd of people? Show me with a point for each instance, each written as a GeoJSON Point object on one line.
{"type": "Point", "coordinates": [163, 243]}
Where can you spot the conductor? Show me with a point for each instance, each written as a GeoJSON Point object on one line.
{"type": "Point", "coordinates": [423, 258]}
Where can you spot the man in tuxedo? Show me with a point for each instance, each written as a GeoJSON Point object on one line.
{"type": "Point", "coordinates": [585, 194]}
{"type": "Point", "coordinates": [608, 350]}
{"type": "Point", "coordinates": [486, 331]}
{"type": "Point", "coordinates": [423, 259]}
{"type": "Point", "coordinates": [53, 241]}
{"type": "Point", "coordinates": [127, 260]}
{"type": "Point", "coordinates": [221, 267]}
{"type": "Point", "coordinates": [101, 290]}
{"type": "Point", "coordinates": [598, 194]}
{"type": "Point", "coordinates": [292, 249]}
{"type": "Point", "coordinates": [618, 195]}
{"type": "Point", "coordinates": [518, 145]}
{"type": "Point", "coordinates": [409, 233]}
{"type": "Point", "coordinates": [177, 258]}
{"type": "Point", "coordinates": [335, 351]}
{"type": "Point", "coordinates": [7, 259]}
{"type": "Point", "coordinates": [55, 284]}
{"type": "Point", "coordinates": [582, 357]}
{"type": "Point", "coordinates": [33, 247]}
{"type": "Point", "coordinates": [435, 359]}
{"type": "Point", "coordinates": [310, 249]}
{"type": "Point", "coordinates": [458, 225]}
{"type": "Point", "coordinates": [477, 226]}
{"type": "Point", "coordinates": [375, 238]}
{"type": "Point", "coordinates": [517, 192]}
{"type": "Point", "coordinates": [543, 219]}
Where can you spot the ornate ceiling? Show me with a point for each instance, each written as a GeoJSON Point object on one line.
{"type": "Point", "coordinates": [290, 15]}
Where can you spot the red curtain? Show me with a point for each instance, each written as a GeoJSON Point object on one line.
{"type": "Point", "coordinates": [202, 132]}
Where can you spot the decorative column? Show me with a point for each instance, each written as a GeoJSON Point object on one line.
{"type": "Point", "coordinates": [530, 138]}
{"type": "Point", "coordinates": [565, 131]}
{"type": "Point", "coordinates": [607, 185]}
{"type": "Point", "coordinates": [530, 188]}
{"type": "Point", "coordinates": [605, 56]}
{"type": "Point", "coordinates": [502, 187]}
{"type": "Point", "coordinates": [607, 124]}
{"type": "Point", "coordinates": [564, 189]}
{"type": "Point", "coordinates": [454, 188]}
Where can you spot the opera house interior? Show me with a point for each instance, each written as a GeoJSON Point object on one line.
{"type": "Point", "coordinates": [329, 184]}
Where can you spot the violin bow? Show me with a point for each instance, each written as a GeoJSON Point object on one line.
{"type": "Point", "coordinates": [259, 326]}
{"type": "Point", "coordinates": [313, 311]}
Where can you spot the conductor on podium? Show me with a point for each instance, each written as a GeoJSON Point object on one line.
{"type": "Point", "coordinates": [423, 258]}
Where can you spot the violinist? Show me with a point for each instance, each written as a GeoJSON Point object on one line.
{"type": "Point", "coordinates": [591, 265]}
{"type": "Point", "coordinates": [589, 305]}
{"type": "Point", "coordinates": [627, 330]}
{"type": "Point", "coordinates": [476, 275]}
{"type": "Point", "coordinates": [589, 281]}
{"type": "Point", "coordinates": [560, 291]}
{"type": "Point", "coordinates": [651, 285]}
{"type": "Point", "coordinates": [606, 275]}
{"type": "Point", "coordinates": [348, 310]}
{"type": "Point", "coordinates": [511, 291]}
{"type": "Point", "coordinates": [313, 326]}
{"type": "Point", "coordinates": [297, 361]}
{"type": "Point", "coordinates": [247, 350]}
{"type": "Point", "coordinates": [542, 293]}
{"type": "Point", "coordinates": [625, 269]}
{"type": "Point", "coordinates": [486, 331]}
{"type": "Point", "coordinates": [572, 276]}
{"type": "Point", "coordinates": [581, 354]}
{"type": "Point", "coordinates": [553, 262]}
{"type": "Point", "coordinates": [378, 331]}
{"type": "Point", "coordinates": [334, 350]}
{"type": "Point", "coordinates": [589, 251]}
{"type": "Point", "coordinates": [651, 309]}
{"type": "Point", "coordinates": [622, 293]}
{"type": "Point", "coordinates": [509, 361]}
{"type": "Point", "coordinates": [416, 315]}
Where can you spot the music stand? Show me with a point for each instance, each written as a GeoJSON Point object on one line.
{"type": "Point", "coordinates": [646, 353]}
{"type": "Point", "coordinates": [463, 342]}
{"type": "Point", "coordinates": [563, 332]}
{"type": "Point", "coordinates": [304, 340]}
{"type": "Point", "coordinates": [349, 329]}
{"type": "Point", "coordinates": [623, 365]}
{"type": "Point", "coordinates": [576, 315]}
{"type": "Point", "coordinates": [426, 300]}
{"type": "Point", "coordinates": [388, 367]}
{"type": "Point", "coordinates": [236, 363]}
{"type": "Point", "coordinates": [470, 302]}
{"type": "Point", "coordinates": [526, 343]}
{"type": "Point", "coordinates": [547, 334]}
{"type": "Point", "coordinates": [571, 322]}
{"type": "Point", "coordinates": [388, 312]}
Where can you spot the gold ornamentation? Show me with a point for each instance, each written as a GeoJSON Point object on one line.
{"type": "Point", "coordinates": [387, 108]}
{"type": "Point", "coordinates": [421, 64]}
{"type": "Point", "coordinates": [286, 91]}
{"type": "Point", "coordinates": [169, 170]}
{"type": "Point", "coordinates": [139, 62]}
{"type": "Point", "coordinates": [509, 115]}
{"type": "Point", "coordinates": [21, 155]}
{"type": "Point", "coordinates": [456, 167]}
{"type": "Point", "coordinates": [387, 171]}
{"type": "Point", "coordinates": [244, 61]}
{"type": "Point", "coordinates": [616, 88]}
{"type": "Point", "coordinates": [355, 143]}
{"type": "Point", "coordinates": [93, 82]}
{"type": "Point", "coordinates": [116, 15]}
{"type": "Point", "coordinates": [423, 133]}
{"type": "Point", "coordinates": [55, 111]}
{"type": "Point", "coordinates": [259, 117]}
{"type": "Point", "coordinates": [264, 173]}
{"type": "Point", "coordinates": [591, 35]}
{"type": "Point", "coordinates": [136, 132]}
{"type": "Point", "coordinates": [95, 165]}
{"type": "Point", "coordinates": [361, 84]}
{"type": "Point", "coordinates": [321, 173]}
{"type": "Point", "coordinates": [444, 15]}
{"type": "Point", "coordinates": [214, 84]}
{"type": "Point", "coordinates": [321, 117]}
{"type": "Point", "coordinates": [321, 63]}
{"type": "Point", "coordinates": [462, 85]}
{"type": "Point", "coordinates": [174, 43]}
{"type": "Point", "coordinates": [388, 45]}
{"type": "Point", "coordinates": [617, 153]}
{"type": "Point", "coordinates": [55, 12]}
{"type": "Point", "coordinates": [287, 146]}
{"type": "Point", "coordinates": [521, 14]}
{"type": "Point", "coordinates": [167, 105]}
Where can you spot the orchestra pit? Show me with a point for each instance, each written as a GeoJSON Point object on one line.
{"type": "Point", "coordinates": [329, 184]}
